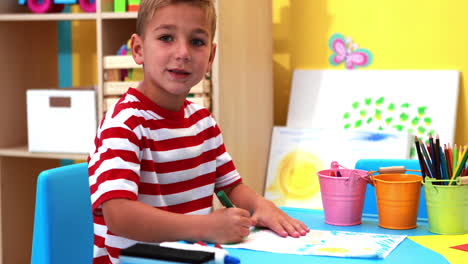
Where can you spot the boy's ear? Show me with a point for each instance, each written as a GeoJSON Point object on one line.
{"type": "Point", "coordinates": [136, 43]}
{"type": "Point", "coordinates": [212, 56]}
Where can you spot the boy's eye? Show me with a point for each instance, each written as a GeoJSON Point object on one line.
{"type": "Point", "coordinates": [198, 42]}
{"type": "Point", "coordinates": [166, 38]}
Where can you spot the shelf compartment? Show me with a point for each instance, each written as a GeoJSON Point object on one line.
{"type": "Point", "coordinates": [29, 65]}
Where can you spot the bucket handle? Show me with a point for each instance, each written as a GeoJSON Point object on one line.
{"type": "Point", "coordinates": [335, 166]}
{"type": "Point", "coordinates": [463, 180]}
{"type": "Point", "coordinates": [458, 181]}
{"type": "Point", "coordinates": [387, 170]}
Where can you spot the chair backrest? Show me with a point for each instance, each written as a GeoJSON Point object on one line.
{"type": "Point", "coordinates": [63, 225]}
{"type": "Point", "coordinates": [370, 202]}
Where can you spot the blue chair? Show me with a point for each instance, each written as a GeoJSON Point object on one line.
{"type": "Point", "coordinates": [370, 202]}
{"type": "Point", "coordinates": [63, 224]}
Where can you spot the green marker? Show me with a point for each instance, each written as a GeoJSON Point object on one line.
{"type": "Point", "coordinates": [224, 199]}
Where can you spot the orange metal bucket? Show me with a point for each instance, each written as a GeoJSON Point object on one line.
{"type": "Point", "coordinates": [397, 199]}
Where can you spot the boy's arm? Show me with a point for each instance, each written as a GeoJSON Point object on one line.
{"type": "Point", "coordinates": [265, 213]}
{"type": "Point", "coordinates": [139, 221]}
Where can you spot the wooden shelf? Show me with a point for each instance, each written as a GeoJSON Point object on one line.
{"type": "Point", "coordinates": [66, 16]}
{"type": "Point", "coordinates": [48, 17]}
{"type": "Point", "coordinates": [22, 151]}
{"type": "Point", "coordinates": [125, 15]}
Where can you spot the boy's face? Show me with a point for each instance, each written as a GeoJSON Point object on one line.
{"type": "Point", "coordinates": [176, 52]}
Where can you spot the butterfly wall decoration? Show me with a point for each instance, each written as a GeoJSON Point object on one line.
{"type": "Point", "coordinates": [347, 52]}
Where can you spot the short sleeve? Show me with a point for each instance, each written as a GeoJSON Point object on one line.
{"type": "Point", "coordinates": [114, 167]}
{"type": "Point", "coordinates": [226, 172]}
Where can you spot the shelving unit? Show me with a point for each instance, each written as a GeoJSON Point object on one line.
{"type": "Point", "coordinates": [242, 97]}
{"type": "Point", "coordinates": [116, 81]}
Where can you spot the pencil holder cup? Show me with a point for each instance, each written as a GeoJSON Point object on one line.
{"type": "Point", "coordinates": [397, 196]}
{"type": "Point", "coordinates": [342, 192]}
{"type": "Point", "coordinates": [447, 206]}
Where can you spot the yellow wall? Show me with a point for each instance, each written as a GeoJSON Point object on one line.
{"type": "Point", "coordinates": [84, 68]}
{"type": "Point", "coordinates": [401, 34]}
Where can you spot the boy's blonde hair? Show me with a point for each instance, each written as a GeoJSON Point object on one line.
{"type": "Point", "coordinates": [149, 7]}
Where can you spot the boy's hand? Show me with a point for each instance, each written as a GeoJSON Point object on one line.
{"type": "Point", "coordinates": [229, 225]}
{"type": "Point", "coordinates": [270, 216]}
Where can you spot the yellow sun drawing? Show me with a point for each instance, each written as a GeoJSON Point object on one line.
{"type": "Point", "coordinates": [296, 177]}
{"type": "Point", "coordinates": [334, 250]}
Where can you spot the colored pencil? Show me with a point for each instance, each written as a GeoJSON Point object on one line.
{"type": "Point", "coordinates": [436, 150]}
{"type": "Point", "coordinates": [463, 165]}
{"type": "Point", "coordinates": [430, 149]}
{"type": "Point", "coordinates": [428, 160]}
{"type": "Point", "coordinates": [420, 157]}
{"type": "Point", "coordinates": [224, 199]}
{"type": "Point", "coordinates": [461, 150]}
{"type": "Point", "coordinates": [443, 166]}
{"type": "Point", "coordinates": [460, 165]}
{"type": "Point", "coordinates": [448, 160]}
{"type": "Point", "coordinates": [454, 159]}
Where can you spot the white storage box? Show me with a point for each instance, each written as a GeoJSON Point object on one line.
{"type": "Point", "coordinates": [61, 120]}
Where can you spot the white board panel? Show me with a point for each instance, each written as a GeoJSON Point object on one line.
{"type": "Point", "coordinates": [415, 101]}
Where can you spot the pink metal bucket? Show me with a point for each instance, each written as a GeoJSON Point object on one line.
{"type": "Point", "coordinates": [343, 192]}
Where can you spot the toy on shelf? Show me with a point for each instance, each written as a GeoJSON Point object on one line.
{"type": "Point", "coordinates": [125, 49]}
{"type": "Point", "coordinates": [127, 74]}
{"type": "Point", "coordinates": [55, 6]}
{"type": "Point", "coordinates": [126, 5]}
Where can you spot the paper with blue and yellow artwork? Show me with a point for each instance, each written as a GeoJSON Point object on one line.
{"type": "Point", "coordinates": [297, 154]}
{"type": "Point", "coordinates": [323, 243]}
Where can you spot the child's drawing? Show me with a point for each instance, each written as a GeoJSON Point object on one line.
{"type": "Point", "coordinates": [383, 115]}
{"type": "Point", "coordinates": [296, 155]}
{"type": "Point", "coordinates": [323, 243]}
{"type": "Point", "coordinates": [414, 101]}
{"type": "Point", "coordinates": [293, 173]}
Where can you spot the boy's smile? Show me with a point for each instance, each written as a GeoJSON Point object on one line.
{"type": "Point", "coordinates": [178, 73]}
{"type": "Point", "coordinates": [176, 52]}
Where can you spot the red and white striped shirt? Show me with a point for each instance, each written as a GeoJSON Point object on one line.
{"type": "Point", "coordinates": [173, 161]}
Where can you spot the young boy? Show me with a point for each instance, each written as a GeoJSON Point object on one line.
{"type": "Point", "coordinates": [159, 158]}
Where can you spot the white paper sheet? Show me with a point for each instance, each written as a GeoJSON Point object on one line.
{"type": "Point", "coordinates": [323, 243]}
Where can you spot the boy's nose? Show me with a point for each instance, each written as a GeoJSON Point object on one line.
{"type": "Point", "coordinates": [183, 51]}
